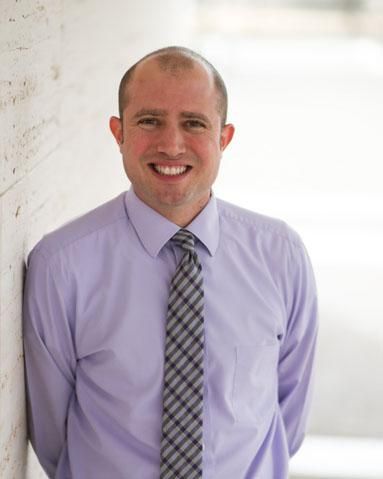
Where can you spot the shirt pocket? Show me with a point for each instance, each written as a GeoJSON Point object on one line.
{"type": "Point", "coordinates": [255, 383]}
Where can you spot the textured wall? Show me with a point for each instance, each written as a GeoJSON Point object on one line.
{"type": "Point", "coordinates": [60, 64]}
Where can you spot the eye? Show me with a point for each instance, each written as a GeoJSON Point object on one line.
{"type": "Point", "coordinates": [148, 123]}
{"type": "Point", "coordinates": [195, 125]}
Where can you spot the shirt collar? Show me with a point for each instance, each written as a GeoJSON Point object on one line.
{"type": "Point", "coordinates": [154, 230]}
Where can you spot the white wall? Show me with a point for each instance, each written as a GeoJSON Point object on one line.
{"type": "Point", "coordinates": [60, 65]}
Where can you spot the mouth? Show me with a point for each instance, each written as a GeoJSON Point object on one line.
{"type": "Point", "coordinates": [170, 170]}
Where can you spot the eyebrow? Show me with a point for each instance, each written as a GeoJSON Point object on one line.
{"type": "Point", "coordinates": [193, 114]}
{"type": "Point", "coordinates": [149, 112]}
{"type": "Point", "coordinates": [158, 112]}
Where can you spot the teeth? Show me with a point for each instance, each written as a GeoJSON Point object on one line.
{"type": "Point", "coordinates": [170, 170]}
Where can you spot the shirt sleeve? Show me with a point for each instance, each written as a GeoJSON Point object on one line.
{"type": "Point", "coordinates": [49, 357]}
{"type": "Point", "coordinates": [298, 348]}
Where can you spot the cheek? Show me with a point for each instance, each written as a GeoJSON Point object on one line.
{"type": "Point", "coordinates": [207, 149]}
{"type": "Point", "coordinates": [211, 155]}
{"type": "Point", "coordinates": [133, 150]}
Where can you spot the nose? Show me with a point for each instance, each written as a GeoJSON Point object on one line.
{"type": "Point", "coordinates": [171, 141]}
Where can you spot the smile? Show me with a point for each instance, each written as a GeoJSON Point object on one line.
{"type": "Point", "coordinates": [170, 170]}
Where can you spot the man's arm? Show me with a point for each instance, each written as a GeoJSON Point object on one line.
{"type": "Point", "coordinates": [49, 357]}
{"type": "Point", "coordinates": [298, 348]}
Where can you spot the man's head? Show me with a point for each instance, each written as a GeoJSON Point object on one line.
{"type": "Point", "coordinates": [170, 132]}
{"type": "Point", "coordinates": [173, 59]}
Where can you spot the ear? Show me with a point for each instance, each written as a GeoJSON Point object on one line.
{"type": "Point", "coordinates": [227, 133]}
{"type": "Point", "coordinates": [115, 126]}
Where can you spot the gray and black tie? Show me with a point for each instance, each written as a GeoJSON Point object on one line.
{"type": "Point", "coordinates": [181, 445]}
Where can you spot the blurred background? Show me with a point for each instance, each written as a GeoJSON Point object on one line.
{"type": "Point", "coordinates": [305, 82]}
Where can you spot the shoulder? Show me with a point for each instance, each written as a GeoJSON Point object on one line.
{"type": "Point", "coordinates": [256, 225]}
{"type": "Point", "coordinates": [268, 244]}
{"type": "Point", "coordinates": [83, 229]}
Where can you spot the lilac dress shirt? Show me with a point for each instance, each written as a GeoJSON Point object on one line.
{"type": "Point", "coordinates": [95, 308]}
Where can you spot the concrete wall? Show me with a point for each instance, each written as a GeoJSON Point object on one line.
{"type": "Point", "coordinates": [60, 64]}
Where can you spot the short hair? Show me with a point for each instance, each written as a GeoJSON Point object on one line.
{"type": "Point", "coordinates": [172, 59]}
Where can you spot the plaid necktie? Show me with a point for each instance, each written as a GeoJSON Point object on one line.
{"type": "Point", "coordinates": [181, 445]}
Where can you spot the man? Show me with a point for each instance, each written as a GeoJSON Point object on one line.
{"type": "Point", "coordinates": [168, 333]}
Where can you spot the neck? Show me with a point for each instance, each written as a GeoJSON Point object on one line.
{"type": "Point", "coordinates": [181, 216]}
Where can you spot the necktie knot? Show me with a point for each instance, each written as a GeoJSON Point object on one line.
{"type": "Point", "coordinates": [184, 239]}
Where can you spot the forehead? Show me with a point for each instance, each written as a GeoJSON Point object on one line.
{"type": "Point", "coordinates": [156, 82]}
